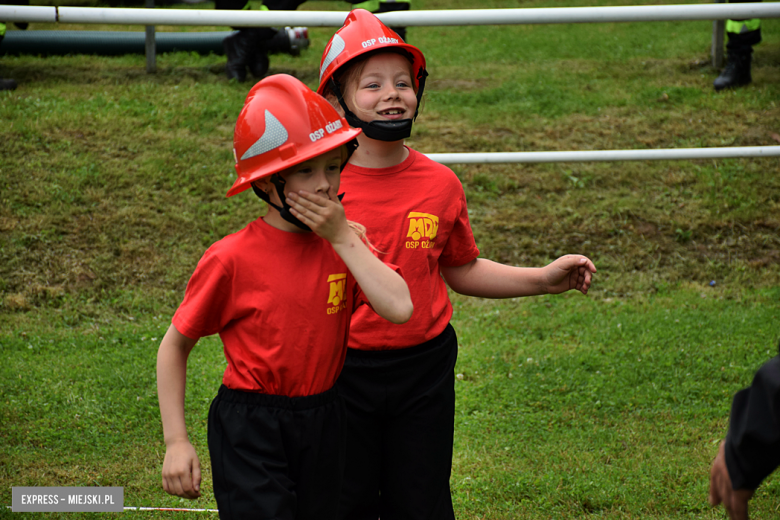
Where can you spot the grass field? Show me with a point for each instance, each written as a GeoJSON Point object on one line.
{"type": "Point", "coordinates": [112, 184]}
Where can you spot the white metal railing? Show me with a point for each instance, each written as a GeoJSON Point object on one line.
{"type": "Point", "coordinates": [650, 13]}
{"type": "Point", "coordinates": [667, 154]}
{"type": "Point", "coordinates": [149, 17]}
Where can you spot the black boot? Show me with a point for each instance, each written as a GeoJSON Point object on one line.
{"type": "Point", "coordinates": [7, 84]}
{"type": "Point", "coordinates": [737, 70]}
{"type": "Point", "coordinates": [238, 47]}
{"type": "Point", "coordinates": [289, 40]}
{"type": "Point", "coordinates": [258, 63]}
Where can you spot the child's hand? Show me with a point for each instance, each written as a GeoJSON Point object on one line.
{"type": "Point", "coordinates": [569, 272]}
{"type": "Point", "coordinates": [325, 216]}
{"type": "Point", "coordinates": [181, 470]}
{"type": "Point", "coordinates": [734, 500]}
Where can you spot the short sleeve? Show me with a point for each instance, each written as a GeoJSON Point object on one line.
{"type": "Point", "coordinates": [202, 312]}
{"type": "Point", "coordinates": [461, 247]}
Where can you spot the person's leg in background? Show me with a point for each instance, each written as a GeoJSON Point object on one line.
{"type": "Point", "coordinates": [742, 36]}
{"type": "Point", "coordinates": [249, 47]}
{"type": "Point", "coordinates": [9, 84]}
{"type": "Point", "coordinates": [5, 84]}
{"type": "Point", "coordinates": [386, 6]}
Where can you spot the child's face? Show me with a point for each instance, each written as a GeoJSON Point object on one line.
{"type": "Point", "coordinates": [384, 89]}
{"type": "Point", "coordinates": [316, 175]}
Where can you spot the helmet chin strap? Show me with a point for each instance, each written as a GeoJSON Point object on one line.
{"type": "Point", "coordinates": [279, 183]}
{"type": "Point", "coordinates": [284, 210]}
{"type": "Point", "coordinates": [381, 130]}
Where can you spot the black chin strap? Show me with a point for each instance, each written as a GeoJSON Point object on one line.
{"type": "Point", "coordinates": [382, 130]}
{"type": "Point", "coordinates": [284, 210]}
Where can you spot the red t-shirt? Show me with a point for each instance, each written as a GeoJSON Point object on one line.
{"type": "Point", "coordinates": [416, 213]}
{"type": "Point", "coordinates": [281, 303]}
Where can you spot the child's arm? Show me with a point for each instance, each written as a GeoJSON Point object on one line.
{"type": "Point", "coordinates": [488, 279]}
{"type": "Point", "coordinates": [181, 468]}
{"type": "Point", "coordinates": [384, 288]}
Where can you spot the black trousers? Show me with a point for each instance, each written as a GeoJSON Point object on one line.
{"type": "Point", "coordinates": [743, 42]}
{"type": "Point", "coordinates": [272, 5]}
{"type": "Point", "coordinates": [277, 457]}
{"type": "Point", "coordinates": [400, 421]}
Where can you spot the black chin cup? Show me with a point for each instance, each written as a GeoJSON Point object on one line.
{"type": "Point", "coordinates": [284, 211]}
{"type": "Point", "coordinates": [379, 129]}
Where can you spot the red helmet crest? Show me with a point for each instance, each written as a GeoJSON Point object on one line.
{"type": "Point", "coordinates": [283, 123]}
{"type": "Point", "coordinates": [363, 32]}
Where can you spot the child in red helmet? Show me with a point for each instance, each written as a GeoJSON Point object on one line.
{"type": "Point", "coordinates": [398, 380]}
{"type": "Point", "coordinates": [281, 298]}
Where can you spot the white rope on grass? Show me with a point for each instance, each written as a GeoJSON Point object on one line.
{"type": "Point", "coordinates": [141, 508]}
{"type": "Point", "coordinates": [182, 509]}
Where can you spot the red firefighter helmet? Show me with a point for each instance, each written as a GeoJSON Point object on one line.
{"type": "Point", "coordinates": [283, 123]}
{"type": "Point", "coordinates": [363, 32]}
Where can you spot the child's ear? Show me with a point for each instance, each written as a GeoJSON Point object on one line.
{"type": "Point", "coordinates": [262, 184]}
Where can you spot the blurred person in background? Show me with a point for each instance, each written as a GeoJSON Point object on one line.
{"type": "Point", "coordinates": [249, 47]}
{"type": "Point", "coordinates": [742, 36]}
{"type": "Point", "coordinates": [9, 84]}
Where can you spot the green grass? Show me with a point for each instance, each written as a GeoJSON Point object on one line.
{"type": "Point", "coordinates": [80, 409]}
{"type": "Point", "coordinates": [112, 185]}
{"type": "Point", "coordinates": [573, 407]}
{"type": "Point", "coordinates": [567, 406]}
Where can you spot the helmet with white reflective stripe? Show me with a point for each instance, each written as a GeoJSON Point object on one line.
{"type": "Point", "coordinates": [283, 123]}
{"type": "Point", "coordinates": [361, 34]}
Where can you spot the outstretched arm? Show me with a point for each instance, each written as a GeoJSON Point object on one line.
{"type": "Point", "coordinates": [384, 288]}
{"type": "Point", "coordinates": [181, 468]}
{"type": "Point", "coordinates": [488, 279]}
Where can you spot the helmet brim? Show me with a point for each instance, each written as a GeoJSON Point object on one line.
{"type": "Point", "coordinates": [257, 168]}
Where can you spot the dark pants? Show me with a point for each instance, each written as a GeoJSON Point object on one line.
{"type": "Point", "coordinates": [272, 5]}
{"type": "Point", "coordinates": [277, 457]}
{"type": "Point", "coordinates": [743, 42]}
{"type": "Point", "coordinates": [400, 418]}
{"type": "Point", "coordinates": [266, 33]}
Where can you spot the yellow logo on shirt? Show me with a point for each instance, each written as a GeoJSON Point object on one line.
{"type": "Point", "coordinates": [338, 283]}
{"type": "Point", "coordinates": [423, 228]}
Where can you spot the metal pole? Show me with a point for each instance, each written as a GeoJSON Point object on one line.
{"type": "Point", "coordinates": [151, 49]}
{"type": "Point", "coordinates": [27, 13]}
{"type": "Point", "coordinates": [718, 28]}
{"type": "Point", "coordinates": [554, 15]}
{"type": "Point", "coordinates": [663, 154]}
